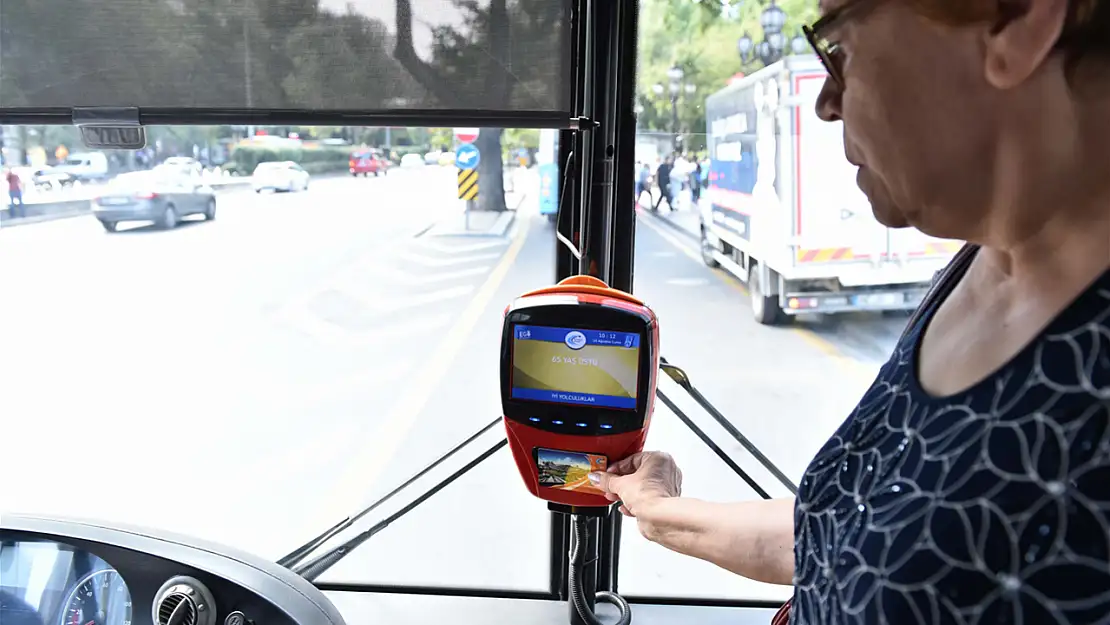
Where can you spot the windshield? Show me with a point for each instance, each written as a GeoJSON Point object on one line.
{"type": "Point", "coordinates": [251, 370]}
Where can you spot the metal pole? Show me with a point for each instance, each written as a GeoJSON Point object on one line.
{"type": "Point", "coordinates": [589, 555]}
{"type": "Point", "coordinates": [247, 66]}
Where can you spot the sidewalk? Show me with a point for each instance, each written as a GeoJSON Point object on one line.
{"type": "Point", "coordinates": [35, 217]}
{"type": "Point", "coordinates": [685, 221]}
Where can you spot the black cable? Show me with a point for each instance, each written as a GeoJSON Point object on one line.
{"type": "Point", "coordinates": [578, 593]}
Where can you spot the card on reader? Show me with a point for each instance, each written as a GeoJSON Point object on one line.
{"type": "Point", "coordinates": [567, 470]}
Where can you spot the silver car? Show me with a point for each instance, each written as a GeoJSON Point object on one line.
{"type": "Point", "coordinates": [162, 196]}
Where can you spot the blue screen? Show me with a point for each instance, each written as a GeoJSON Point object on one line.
{"type": "Point", "coordinates": [574, 366]}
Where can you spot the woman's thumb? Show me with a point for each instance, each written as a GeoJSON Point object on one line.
{"type": "Point", "coordinates": [607, 482]}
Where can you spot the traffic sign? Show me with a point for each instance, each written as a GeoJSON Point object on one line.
{"type": "Point", "coordinates": [468, 184]}
{"type": "Point", "coordinates": [466, 135]}
{"type": "Point", "coordinates": [467, 156]}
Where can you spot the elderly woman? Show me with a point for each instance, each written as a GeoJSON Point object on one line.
{"type": "Point", "coordinates": [972, 482]}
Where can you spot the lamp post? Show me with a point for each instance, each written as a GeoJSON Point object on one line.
{"type": "Point", "coordinates": [771, 48]}
{"type": "Point", "coordinates": [676, 87]}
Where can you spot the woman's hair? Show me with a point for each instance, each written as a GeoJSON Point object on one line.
{"type": "Point", "coordinates": [1086, 33]}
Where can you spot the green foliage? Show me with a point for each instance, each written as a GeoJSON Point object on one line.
{"type": "Point", "coordinates": [701, 37]}
{"type": "Point", "coordinates": [314, 160]}
{"type": "Point", "coordinates": [286, 54]}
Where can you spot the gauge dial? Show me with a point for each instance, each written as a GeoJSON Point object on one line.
{"type": "Point", "coordinates": [100, 598]}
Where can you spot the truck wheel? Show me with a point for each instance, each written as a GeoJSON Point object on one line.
{"type": "Point", "coordinates": [765, 308]}
{"type": "Point", "coordinates": [707, 250]}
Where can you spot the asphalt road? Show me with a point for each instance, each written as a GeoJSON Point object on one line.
{"type": "Point", "coordinates": [253, 379]}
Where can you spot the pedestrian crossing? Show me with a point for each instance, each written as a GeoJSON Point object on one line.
{"type": "Point", "coordinates": [407, 293]}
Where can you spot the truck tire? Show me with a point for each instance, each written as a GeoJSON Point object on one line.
{"type": "Point", "coordinates": [765, 309]}
{"type": "Point", "coordinates": [707, 250]}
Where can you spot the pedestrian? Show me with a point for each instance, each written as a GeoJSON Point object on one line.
{"type": "Point", "coordinates": [643, 184]}
{"type": "Point", "coordinates": [15, 194]}
{"type": "Point", "coordinates": [663, 177]}
{"type": "Point", "coordinates": [695, 181]}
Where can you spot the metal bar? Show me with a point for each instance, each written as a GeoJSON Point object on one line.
{"type": "Point", "coordinates": [716, 449]}
{"type": "Point", "coordinates": [679, 376]}
{"type": "Point", "coordinates": [614, 225]}
{"type": "Point", "coordinates": [300, 552]}
{"type": "Point", "coordinates": [158, 116]}
{"type": "Point", "coordinates": [317, 567]}
{"type": "Point", "coordinates": [568, 227]}
{"type": "Point", "coordinates": [445, 591]}
{"type": "Point", "coordinates": [560, 528]}
{"type": "Point", "coordinates": [609, 548]}
{"type": "Point", "coordinates": [588, 555]}
{"type": "Point", "coordinates": [500, 593]}
{"type": "Point", "coordinates": [623, 242]}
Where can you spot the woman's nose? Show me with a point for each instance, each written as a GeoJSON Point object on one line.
{"type": "Point", "coordinates": [828, 101]}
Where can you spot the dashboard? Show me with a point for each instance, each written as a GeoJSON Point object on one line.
{"type": "Point", "coordinates": [59, 571]}
{"type": "Point", "coordinates": [80, 573]}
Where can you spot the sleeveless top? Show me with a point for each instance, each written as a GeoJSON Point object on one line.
{"type": "Point", "coordinates": [991, 506]}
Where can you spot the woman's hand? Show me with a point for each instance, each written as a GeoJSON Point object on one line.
{"type": "Point", "coordinates": [640, 479]}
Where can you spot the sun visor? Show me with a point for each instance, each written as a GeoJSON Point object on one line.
{"type": "Point", "coordinates": [349, 62]}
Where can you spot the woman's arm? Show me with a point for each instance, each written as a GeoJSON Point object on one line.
{"type": "Point", "coordinates": [754, 539]}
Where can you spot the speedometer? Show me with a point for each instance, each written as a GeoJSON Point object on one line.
{"type": "Point", "coordinates": [99, 598]}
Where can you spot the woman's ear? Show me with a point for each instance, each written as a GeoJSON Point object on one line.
{"type": "Point", "coordinates": [1021, 38]}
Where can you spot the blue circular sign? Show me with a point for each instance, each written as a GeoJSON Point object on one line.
{"type": "Point", "coordinates": [467, 156]}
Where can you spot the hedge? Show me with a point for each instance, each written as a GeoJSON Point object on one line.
{"type": "Point", "coordinates": [315, 160]}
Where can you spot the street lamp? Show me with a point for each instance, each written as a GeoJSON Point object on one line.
{"type": "Point", "coordinates": [772, 21]}
{"type": "Point", "coordinates": [676, 87]}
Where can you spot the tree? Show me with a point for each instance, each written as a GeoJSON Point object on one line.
{"type": "Point", "coordinates": [472, 68]}
{"type": "Point", "coordinates": [701, 37]}
{"type": "Point", "coordinates": [279, 54]}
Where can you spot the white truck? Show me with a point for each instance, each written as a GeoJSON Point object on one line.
{"type": "Point", "coordinates": [782, 211]}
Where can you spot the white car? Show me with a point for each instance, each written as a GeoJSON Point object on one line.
{"type": "Point", "coordinates": [412, 160]}
{"type": "Point", "coordinates": [280, 176]}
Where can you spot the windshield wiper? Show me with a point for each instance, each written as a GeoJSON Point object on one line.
{"type": "Point", "coordinates": [290, 561]}
{"type": "Point", "coordinates": [312, 569]}
{"type": "Point", "coordinates": [682, 379]}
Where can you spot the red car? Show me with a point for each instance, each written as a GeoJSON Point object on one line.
{"type": "Point", "coordinates": [368, 162]}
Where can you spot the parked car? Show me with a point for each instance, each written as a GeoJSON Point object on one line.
{"type": "Point", "coordinates": [160, 196]}
{"type": "Point", "coordinates": [85, 166]}
{"type": "Point", "coordinates": [280, 176]}
{"type": "Point", "coordinates": [47, 178]}
{"type": "Point", "coordinates": [368, 162]}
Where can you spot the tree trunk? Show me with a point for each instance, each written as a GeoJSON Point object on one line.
{"type": "Point", "coordinates": [491, 172]}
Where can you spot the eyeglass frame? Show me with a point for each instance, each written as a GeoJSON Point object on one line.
{"type": "Point", "coordinates": [821, 46]}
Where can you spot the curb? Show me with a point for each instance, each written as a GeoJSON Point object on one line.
{"type": "Point", "coordinates": [670, 224]}
{"type": "Point", "coordinates": [499, 228]}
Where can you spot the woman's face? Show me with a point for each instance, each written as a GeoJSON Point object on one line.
{"type": "Point", "coordinates": [921, 120]}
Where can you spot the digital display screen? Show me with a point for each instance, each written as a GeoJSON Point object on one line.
{"type": "Point", "coordinates": [579, 367]}
{"type": "Point", "coordinates": [567, 470]}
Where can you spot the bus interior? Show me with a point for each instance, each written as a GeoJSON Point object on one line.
{"type": "Point", "coordinates": [584, 88]}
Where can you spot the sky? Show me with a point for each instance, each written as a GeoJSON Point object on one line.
{"type": "Point", "coordinates": [426, 15]}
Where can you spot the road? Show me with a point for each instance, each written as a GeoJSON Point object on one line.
{"type": "Point", "coordinates": [253, 379]}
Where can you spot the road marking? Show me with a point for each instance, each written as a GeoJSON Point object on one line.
{"type": "Point", "coordinates": [811, 338]}
{"type": "Point", "coordinates": [312, 327]}
{"type": "Point", "coordinates": [688, 281]}
{"type": "Point", "coordinates": [458, 249]}
{"type": "Point", "coordinates": [420, 259]}
{"type": "Point", "coordinates": [393, 430]}
{"type": "Point", "coordinates": [380, 305]}
{"type": "Point", "coordinates": [402, 277]}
